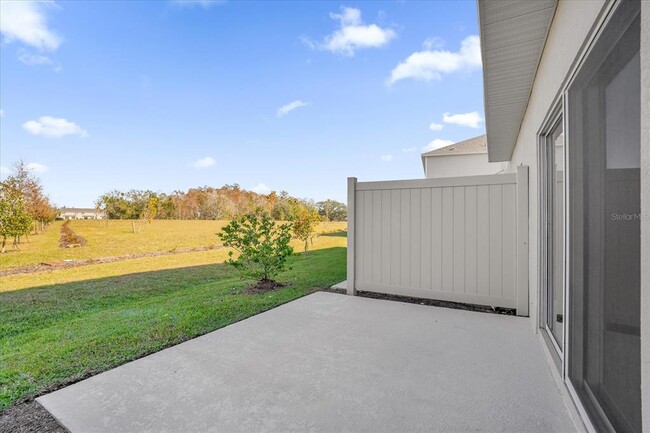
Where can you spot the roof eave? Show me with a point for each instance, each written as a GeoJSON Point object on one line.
{"type": "Point", "coordinates": [501, 145]}
{"type": "Point", "coordinates": [435, 155]}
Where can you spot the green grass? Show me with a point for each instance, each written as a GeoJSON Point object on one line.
{"type": "Point", "coordinates": [116, 238]}
{"type": "Point", "coordinates": [55, 334]}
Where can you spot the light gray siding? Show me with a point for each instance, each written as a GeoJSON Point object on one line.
{"type": "Point", "coordinates": [460, 165]}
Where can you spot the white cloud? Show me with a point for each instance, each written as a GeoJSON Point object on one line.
{"type": "Point", "coordinates": [4, 171]}
{"type": "Point", "coordinates": [53, 127]}
{"type": "Point", "coordinates": [2, 112]}
{"type": "Point", "coordinates": [436, 144]}
{"type": "Point", "coordinates": [36, 167]}
{"type": "Point", "coordinates": [353, 34]}
{"type": "Point", "coordinates": [387, 158]}
{"type": "Point", "coordinates": [285, 109]}
{"type": "Point", "coordinates": [26, 22]}
{"type": "Point", "coordinates": [409, 149]}
{"type": "Point", "coordinates": [205, 162]}
{"type": "Point", "coordinates": [431, 64]}
{"type": "Point", "coordinates": [434, 43]}
{"type": "Point", "coordinates": [261, 188]}
{"type": "Point", "coordinates": [436, 126]}
{"type": "Point", "coordinates": [471, 120]}
{"type": "Point", "coordinates": [33, 59]}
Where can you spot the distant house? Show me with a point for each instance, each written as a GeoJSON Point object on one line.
{"type": "Point", "coordinates": [465, 158]}
{"type": "Point", "coordinates": [77, 213]}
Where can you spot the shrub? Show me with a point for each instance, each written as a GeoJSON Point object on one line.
{"type": "Point", "coordinates": [263, 245]}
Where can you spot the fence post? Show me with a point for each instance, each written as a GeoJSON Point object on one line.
{"type": "Point", "coordinates": [522, 240]}
{"type": "Point", "coordinates": [352, 191]}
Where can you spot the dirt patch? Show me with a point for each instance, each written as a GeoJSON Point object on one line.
{"type": "Point", "coordinates": [28, 417]}
{"type": "Point", "coordinates": [69, 239]}
{"type": "Point", "coordinates": [264, 286]}
{"type": "Point", "coordinates": [64, 264]}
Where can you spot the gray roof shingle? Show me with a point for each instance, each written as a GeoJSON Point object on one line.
{"type": "Point", "coordinates": [473, 145]}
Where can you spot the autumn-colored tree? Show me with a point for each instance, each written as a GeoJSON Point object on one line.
{"type": "Point", "coordinates": [203, 203]}
{"type": "Point", "coordinates": [304, 224]}
{"type": "Point", "coordinates": [36, 203]}
{"type": "Point", "coordinates": [151, 209]}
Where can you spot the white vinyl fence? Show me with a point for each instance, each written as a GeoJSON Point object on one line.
{"type": "Point", "coordinates": [462, 239]}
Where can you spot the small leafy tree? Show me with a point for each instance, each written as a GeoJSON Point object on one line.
{"type": "Point", "coordinates": [263, 245]}
{"type": "Point", "coordinates": [304, 224]}
{"type": "Point", "coordinates": [15, 221]}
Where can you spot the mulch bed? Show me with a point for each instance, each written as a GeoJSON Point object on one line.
{"type": "Point", "coordinates": [264, 286]}
{"type": "Point", "coordinates": [69, 239]}
{"type": "Point", "coordinates": [61, 264]}
{"type": "Point", "coordinates": [29, 417]}
{"type": "Point", "coordinates": [437, 303]}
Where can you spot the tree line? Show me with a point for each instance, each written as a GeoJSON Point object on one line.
{"type": "Point", "coordinates": [24, 206]}
{"type": "Point", "coordinates": [209, 203]}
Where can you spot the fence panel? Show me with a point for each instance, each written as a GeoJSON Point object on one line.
{"type": "Point", "coordinates": [454, 239]}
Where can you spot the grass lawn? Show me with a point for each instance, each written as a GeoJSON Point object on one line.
{"type": "Point", "coordinates": [149, 264]}
{"type": "Point", "coordinates": [117, 239]}
{"type": "Point", "coordinates": [61, 332]}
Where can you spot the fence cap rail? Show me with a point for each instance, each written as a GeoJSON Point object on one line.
{"type": "Point", "coordinates": [490, 179]}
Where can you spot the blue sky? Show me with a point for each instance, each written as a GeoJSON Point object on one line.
{"type": "Point", "coordinates": [274, 96]}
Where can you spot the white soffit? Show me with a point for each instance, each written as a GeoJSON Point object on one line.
{"type": "Point", "coordinates": [513, 33]}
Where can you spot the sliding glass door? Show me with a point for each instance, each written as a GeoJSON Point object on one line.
{"type": "Point", "coordinates": [604, 226]}
{"type": "Point", "coordinates": [552, 180]}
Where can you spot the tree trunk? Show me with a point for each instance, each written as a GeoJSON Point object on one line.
{"type": "Point", "coordinates": [133, 226]}
{"type": "Point", "coordinates": [4, 243]}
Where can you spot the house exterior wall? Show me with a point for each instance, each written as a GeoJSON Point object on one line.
{"type": "Point", "coordinates": [571, 26]}
{"type": "Point", "coordinates": [645, 212]}
{"type": "Point", "coordinates": [460, 165]}
{"type": "Point", "coordinates": [80, 216]}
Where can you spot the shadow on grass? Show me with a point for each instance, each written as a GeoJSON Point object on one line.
{"type": "Point", "coordinates": [184, 276]}
{"type": "Point", "coordinates": [337, 234]}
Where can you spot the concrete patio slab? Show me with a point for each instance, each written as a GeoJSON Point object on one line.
{"type": "Point", "coordinates": [329, 362]}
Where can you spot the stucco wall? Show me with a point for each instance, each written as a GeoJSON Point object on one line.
{"type": "Point", "coordinates": [461, 165]}
{"type": "Point", "coordinates": [571, 25]}
{"type": "Point", "coordinates": [645, 212]}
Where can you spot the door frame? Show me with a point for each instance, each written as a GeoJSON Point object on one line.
{"type": "Point", "coordinates": [556, 116]}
